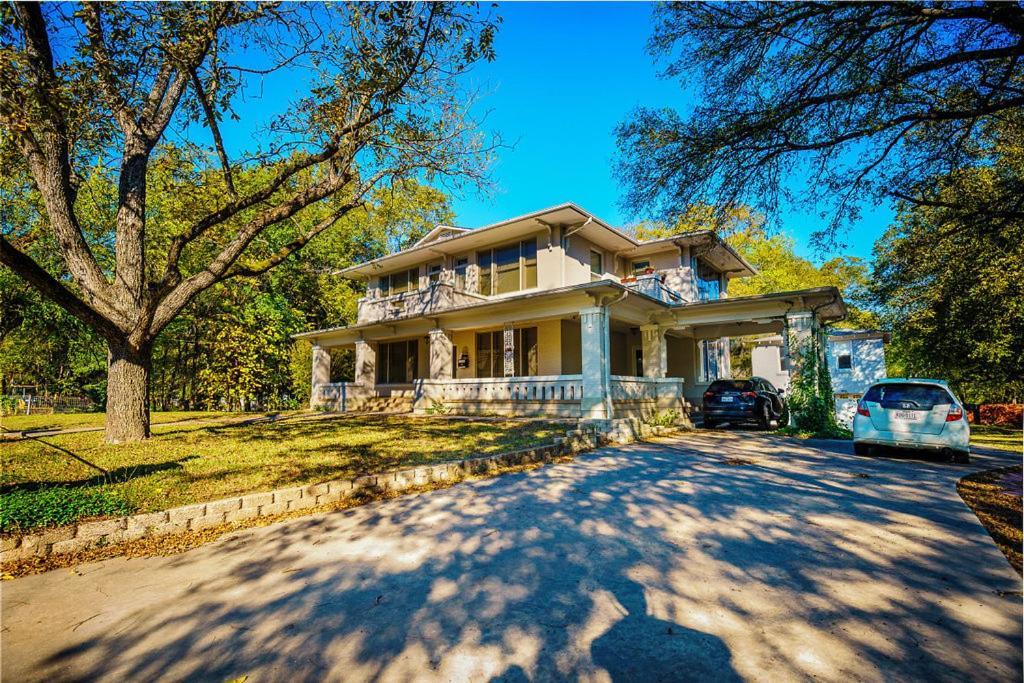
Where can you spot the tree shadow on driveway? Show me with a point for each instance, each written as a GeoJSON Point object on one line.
{"type": "Point", "coordinates": [643, 562]}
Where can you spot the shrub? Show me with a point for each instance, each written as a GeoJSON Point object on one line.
{"type": "Point", "coordinates": [664, 418]}
{"type": "Point", "coordinates": [54, 506]}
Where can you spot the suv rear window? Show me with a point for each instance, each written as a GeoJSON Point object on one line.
{"type": "Point", "coordinates": [924, 395]}
{"type": "Point", "coordinates": [720, 385]}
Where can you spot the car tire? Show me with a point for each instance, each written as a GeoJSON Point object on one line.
{"type": "Point", "coordinates": [709, 424]}
{"type": "Point", "coordinates": [861, 448]}
{"type": "Point", "coordinates": [961, 457]}
{"type": "Point", "coordinates": [765, 420]}
{"type": "Point", "coordinates": [784, 415]}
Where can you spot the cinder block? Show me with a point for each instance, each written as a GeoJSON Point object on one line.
{"type": "Point", "coordinates": [273, 509]}
{"type": "Point", "coordinates": [187, 512]}
{"type": "Point", "coordinates": [206, 521]}
{"type": "Point", "coordinates": [286, 495]}
{"type": "Point", "coordinates": [240, 514]}
{"type": "Point", "coordinates": [57, 534]}
{"type": "Point", "coordinates": [221, 506]}
{"type": "Point", "coordinates": [314, 490]}
{"type": "Point", "coordinates": [367, 482]}
{"type": "Point", "coordinates": [97, 529]}
{"type": "Point", "coordinates": [255, 500]}
{"type": "Point", "coordinates": [301, 503]}
{"type": "Point", "coordinates": [74, 545]}
{"type": "Point", "coordinates": [330, 497]}
{"type": "Point", "coordinates": [139, 525]}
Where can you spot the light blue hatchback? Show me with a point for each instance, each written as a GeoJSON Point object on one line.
{"type": "Point", "coordinates": [912, 413]}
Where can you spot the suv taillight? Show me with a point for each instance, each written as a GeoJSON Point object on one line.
{"type": "Point", "coordinates": [709, 394]}
{"type": "Point", "coordinates": [749, 394]}
{"type": "Point", "coordinates": [955, 413]}
{"type": "Point", "coordinates": [862, 408]}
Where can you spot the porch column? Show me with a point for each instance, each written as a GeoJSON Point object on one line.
{"type": "Point", "coordinates": [796, 339]}
{"type": "Point", "coordinates": [596, 402]}
{"type": "Point", "coordinates": [366, 364]}
{"type": "Point", "coordinates": [655, 350]}
{"type": "Point", "coordinates": [321, 373]}
{"type": "Point", "coordinates": [440, 355]}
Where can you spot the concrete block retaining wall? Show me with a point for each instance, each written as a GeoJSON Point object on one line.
{"type": "Point", "coordinates": [80, 537]}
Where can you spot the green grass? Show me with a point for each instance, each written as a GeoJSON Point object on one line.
{"type": "Point", "coordinates": [193, 463]}
{"type": "Point", "coordinates": [16, 423]}
{"type": "Point", "coordinates": [1001, 437]}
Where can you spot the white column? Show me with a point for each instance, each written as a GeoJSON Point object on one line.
{"type": "Point", "coordinates": [366, 364]}
{"type": "Point", "coordinates": [440, 355]}
{"type": "Point", "coordinates": [655, 351]}
{"type": "Point", "coordinates": [796, 339]}
{"type": "Point", "coordinates": [321, 373]}
{"type": "Point", "coordinates": [596, 402]}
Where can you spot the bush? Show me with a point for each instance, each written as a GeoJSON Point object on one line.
{"type": "Point", "coordinates": [55, 506]}
{"type": "Point", "coordinates": [664, 418]}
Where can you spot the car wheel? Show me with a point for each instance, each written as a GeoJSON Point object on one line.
{"type": "Point", "coordinates": [784, 415]}
{"type": "Point", "coordinates": [710, 424]}
{"type": "Point", "coordinates": [766, 416]}
{"type": "Point", "coordinates": [961, 457]}
{"type": "Point", "coordinates": [861, 448]}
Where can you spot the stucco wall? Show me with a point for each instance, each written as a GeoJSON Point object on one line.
{"type": "Point", "coordinates": [868, 365]}
{"type": "Point", "coordinates": [549, 347]}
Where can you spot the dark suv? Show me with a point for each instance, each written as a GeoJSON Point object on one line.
{"type": "Point", "coordinates": [744, 400]}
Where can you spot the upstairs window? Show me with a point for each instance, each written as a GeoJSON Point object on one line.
{"type": "Point", "coordinates": [640, 267]}
{"type": "Point", "coordinates": [509, 268]}
{"type": "Point", "coordinates": [709, 282]}
{"type": "Point", "coordinates": [596, 264]}
{"type": "Point", "coordinates": [402, 281]}
{"type": "Point", "coordinates": [461, 264]}
{"type": "Point", "coordinates": [434, 272]}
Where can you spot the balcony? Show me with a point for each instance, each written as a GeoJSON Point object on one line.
{"type": "Point", "coordinates": [439, 296]}
{"type": "Point", "coordinates": [652, 285]}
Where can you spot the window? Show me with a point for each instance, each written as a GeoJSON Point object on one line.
{"type": "Point", "coordinates": [397, 362]}
{"type": "Point", "coordinates": [490, 352]}
{"type": "Point", "coordinates": [709, 360]}
{"type": "Point", "coordinates": [509, 268]}
{"type": "Point", "coordinates": [596, 263]}
{"type": "Point", "coordinates": [893, 394]}
{"type": "Point", "coordinates": [461, 264]}
{"type": "Point", "coordinates": [843, 351]}
{"type": "Point", "coordinates": [709, 283]}
{"type": "Point", "coordinates": [434, 272]}
{"type": "Point", "coordinates": [640, 267]}
{"type": "Point", "coordinates": [402, 281]}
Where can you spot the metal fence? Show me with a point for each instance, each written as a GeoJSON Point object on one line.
{"type": "Point", "coordinates": [31, 404]}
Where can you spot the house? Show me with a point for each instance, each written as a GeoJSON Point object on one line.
{"type": "Point", "coordinates": [554, 313]}
{"type": "Point", "coordinates": [856, 359]}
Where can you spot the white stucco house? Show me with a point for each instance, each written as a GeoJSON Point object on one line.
{"type": "Point", "coordinates": [553, 313]}
{"type": "Point", "coordinates": [856, 359]}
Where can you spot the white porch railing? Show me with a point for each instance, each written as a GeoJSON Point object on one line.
{"type": "Point", "coordinates": [483, 389]}
{"type": "Point", "coordinates": [628, 388]}
{"type": "Point", "coordinates": [437, 297]}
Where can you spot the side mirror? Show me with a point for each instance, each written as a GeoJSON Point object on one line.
{"type": "Point", "coordinates": [781, 392]}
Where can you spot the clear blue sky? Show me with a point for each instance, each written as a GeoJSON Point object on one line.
{"type": "Point", "coordinates": [565, 75]}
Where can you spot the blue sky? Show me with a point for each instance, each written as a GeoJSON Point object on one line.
{"type": "Point", "coordinates": [565, 75]}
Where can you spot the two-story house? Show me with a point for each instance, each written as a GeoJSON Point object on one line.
{"type": "Point", "coordinates": [553, 313]}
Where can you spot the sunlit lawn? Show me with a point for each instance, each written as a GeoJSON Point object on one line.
{"type": "Point", "coordinates": [17, 423]}
{"type": "Point", "coordinates": [1003, 437]}
{"type": "Point", "coordinates": [194, 463]}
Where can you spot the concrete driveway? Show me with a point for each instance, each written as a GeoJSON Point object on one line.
{"type": "Point", "coordinates": [713, 556]}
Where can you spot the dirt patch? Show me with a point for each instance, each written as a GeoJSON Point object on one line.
{"type": "Point", "coordinates": [995, 497]}
{"type": "Point", "coordinates": [739, 461]}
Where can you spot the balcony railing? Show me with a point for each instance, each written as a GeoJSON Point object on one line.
{"type": "Point", "coordinates": [652, 286]}
{"type": "Point", "coordinates": [438, 296]}
{"type": "Point", "coordinates": [476, 389]}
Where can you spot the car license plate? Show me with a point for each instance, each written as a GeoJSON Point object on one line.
{"type": "Point", "coordinates": [727, 399]}
{"type": "Point", "coordinates": [909, 415]}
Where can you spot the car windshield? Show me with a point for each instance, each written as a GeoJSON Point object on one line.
{"type": "Point", "coordinates": [721, 385]}
{"type": "Point", "coordinates": [921, 395]}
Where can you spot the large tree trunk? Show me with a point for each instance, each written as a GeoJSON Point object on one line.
{"type": "Point", "coordinates": [128, 370]}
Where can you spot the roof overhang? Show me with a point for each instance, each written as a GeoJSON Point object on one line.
{"type": "Point", "coordinates": [757, 314]}
{"type": "Point", "coordinates": [712, 248]}
{"type": "Point", "coordinates": [568, 217]}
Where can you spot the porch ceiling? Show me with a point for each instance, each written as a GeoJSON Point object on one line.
{"type": "Point", "coordinates": [759, 314]}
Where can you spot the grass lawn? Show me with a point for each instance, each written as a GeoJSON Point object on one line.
{"type": "Point", "coordinates": [1003, 437]}
{"type": "Point", "coordinates": [43, 484]}
{"type": "Point", "coordinates": [995, 496]}
{"type": "Point", "coordinates": [17, 423]}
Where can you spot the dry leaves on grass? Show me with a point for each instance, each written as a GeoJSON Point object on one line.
{"type": "Point", "coordinates": [998, 506]}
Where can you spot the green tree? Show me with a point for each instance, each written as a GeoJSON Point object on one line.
{"type": "Point", "coordinates": [114, 82]}
{"type": "Point", "coordinates": [857, 100]}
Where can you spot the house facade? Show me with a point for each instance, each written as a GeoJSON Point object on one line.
{"type": "Point", "coordinates": [554, 313]}
{"type": "Point", "coordinates": [856, 360]}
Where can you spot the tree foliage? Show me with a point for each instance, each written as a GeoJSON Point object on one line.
{"type": "Point", "coordinates": [859, 100]}
{"type": "Point", "coordinates": [951, 286]}
{"type": "Point", "coordinates": [99, 90]}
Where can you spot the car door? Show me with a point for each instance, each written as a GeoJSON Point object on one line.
{"type": "Point", "coordinates": [772, 394]}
